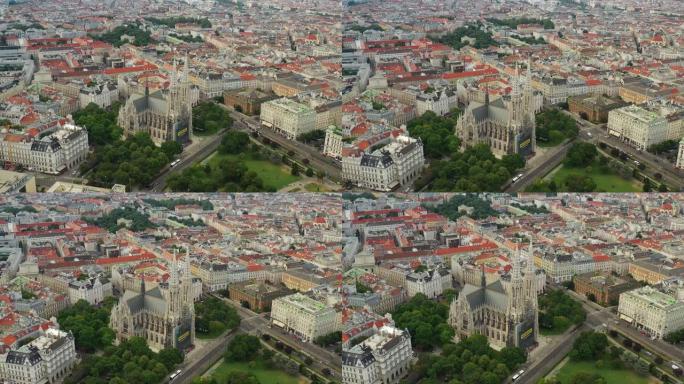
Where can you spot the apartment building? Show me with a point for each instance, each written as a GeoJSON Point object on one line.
{"type": "Point", "coordinates": [47, 359]}
{"type": "Point", "coordinates": [288, 117]}
{"type": "Point", "coordinates": [101, 94]}
{"type": "Point", "coordinates": [652, 311]}
{"type": "Point", "coordinates": [63, 149]}
{"type": "Point", "coordinates": [430, 283]}
{"type": "Point", "coordinates": [440, 102]}
{"type": "Point", "coordinates": [257, 295]}
{"type": "Point", "coordinates": [304, 316]}
{"type": "Point", "coordinates": [394, 165]}
{"type": "Point", "coordinates": [93, 290]}
{"type": "Point", "coordinates": [637, 126]}
{"type": "Point", "coordinates": [604, 287]}
{"type": "Point", "coordinates": [680, 156]}
{"type": "Point", "coordinates": [383, 358]}
{"type": "Point", "coordinates": [334, 141]}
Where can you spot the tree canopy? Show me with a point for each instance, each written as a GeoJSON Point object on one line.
{"type": "Point", "coordinates": [436, 133]}
{"type": "Point", "coordinates": [89, 324]}
{"type": "Point", "coordinates": [589, 346]}
{"type": "Point", "coordinates": [554, 126]}
{"type": "Point", "coordinates": [142, 37]}
{"type": "Point", "coordinates": [135, 161]}
{"type": "Point", "coordinates": [100, 123]}
{"type": "Point", "coordinates": [243, 347]}
{"type": "Point", "coordinates": [481, 208]}
{"type": "Point", "coordinates": [209, 118]}
{"type": "Point", "coordinates": [471, 361]}
{"type": "Point", "coordinates": [581, 155]}
{"type": "Point", "coordinates": [234, 142]}
{"type": "Point", "coordinates": [109, 221]}
{"type": "Point", "coordinates": [213, 316]}
{"type": "Point", "coordinates": [454, 39]}
{"type": "Point", "coordinates": [474, 170]}
{"type": "Point", "coordinates": [558, 311]}
{"type": "Point", "coordinates": [130, 362]}
{"type": "Point", "coordinates": [426, 321]}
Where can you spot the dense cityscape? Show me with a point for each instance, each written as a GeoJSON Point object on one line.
{"type": "Point", "coordinates": [318, 96]}
{"type": "Point", "coordinates": [341, 192]}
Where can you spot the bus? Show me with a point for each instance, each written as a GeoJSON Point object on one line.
{"type": "Point", "coordinates": [175, 162]}
{"type": "Point", "coordinates": [174, 375]}
{"type": "Point", "coordinates": [517, 375]}
{"type": "Point", "coordinates": [516, 178]}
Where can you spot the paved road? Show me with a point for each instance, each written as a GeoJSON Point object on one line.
{"type": "Point", "coordinates": [597, 316]}
{"type": "Point", "coordinates": [671, 176]}
{"type": "Point", "coordinates": [201, 360]}
{"type": "Point", "coordinates": [319, 161]}
{"type": "Point", "coordinates": [259, 325]}
{"type": "Point", "coordinates": [197, 153]}
{"type": "Point", "coordinates": [550, 160]}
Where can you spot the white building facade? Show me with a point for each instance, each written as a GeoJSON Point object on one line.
{"type": "Point", "coordinates": [93, 290]}
{"type": "Point", "coordinates": [288, 117]}
{"type": "Point", "coordinates": [47, 359]}
{"type": "Point", "coordinates": [637, 126]}
{"type": "Point", "coordinates": [397, 164]}
{"type": "Point", "coordinates": [383, 358]}
{"type": "Point", "coordinates": [304, 316]}
{"type": "Point", "coordinates": [652, 311]}
{"type": "Point", "coordinates": [63, 149]}
{"type": "Point", "coordinates": [430, 283]}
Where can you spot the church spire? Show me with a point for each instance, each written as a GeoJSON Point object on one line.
{"type": "Point", "coordinates": [515, 265]}
{"type": "Point", "coordinates": [173, 280]}
{"type": "Point", "coordinates": [483, 277]}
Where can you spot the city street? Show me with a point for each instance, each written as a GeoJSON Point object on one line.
{"type": "Point", "coordinates": [259, 325]}
{"type": "Point", "coordinates": [319, 161]}
{"type": "Point", "coordinates": [672, 176]}
{"type": "Point", "coordinates": [597, 316]}
{"type": "Point", "coordinates": [541, 166]}
{"type": "Point", "coordinates": [200, 360]}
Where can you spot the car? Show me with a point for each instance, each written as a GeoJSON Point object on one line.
{"type": "Point", "coordinates": [517, 375]}
{"type": "Point", "coordinates": [589, 134]}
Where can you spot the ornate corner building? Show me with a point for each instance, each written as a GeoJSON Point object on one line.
{"type": "Point", "coordinates": [507, 317]}
{"type": "Point", "coordinates": [163, 317]}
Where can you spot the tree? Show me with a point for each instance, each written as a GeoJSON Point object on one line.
{"type": "Point", "coordinates": [426, 321]}
{"type": "Point", "coordinates": [581, 155]}
{"type": "Point", "coordinates": [213, 316]}
{"type": "Point", "coordinates": [170, 357]}
{"type": "Point", "coordinates": [309, 172]}
{"type": "Point", "coordinates": [243, 347]}
{"type": "Point", "coordinates": [436, 133]}
{"type": "Point", "coordinates": [579, 183]}
{"type": "Point", "coordinates": [100, 123]}
{"type": "Point", "coordinates": [647, 185]}
{"type": "Point", "coordinates": [589, 346]}
{"type": "Point", "coordinates": [209, 118]}
{"type": "Point", "coordinates": [171, 148]}
{"type": "Point", "coordinates": [295, 169]}
{"type": "Point", "coordinates": [234, 142]}
{"type": "Point", "coordinates": [554, 126]}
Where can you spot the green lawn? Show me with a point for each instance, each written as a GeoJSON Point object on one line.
{"type": "Point", "coordinates": [264, 375]}
{"type": "Point", "coordinates": [314, 187]}
{"type": "Point", "coordinates": [275, 176]}
{"type": "Point", "coordinates": [607, 182]}
{"type": "Point", "coordinates": [612, 376]}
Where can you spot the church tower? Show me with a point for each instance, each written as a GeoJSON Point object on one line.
{"type": "Point", "coordinates": [531, 289]}
{"type": "Point", "coordinates": [516, 300]}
